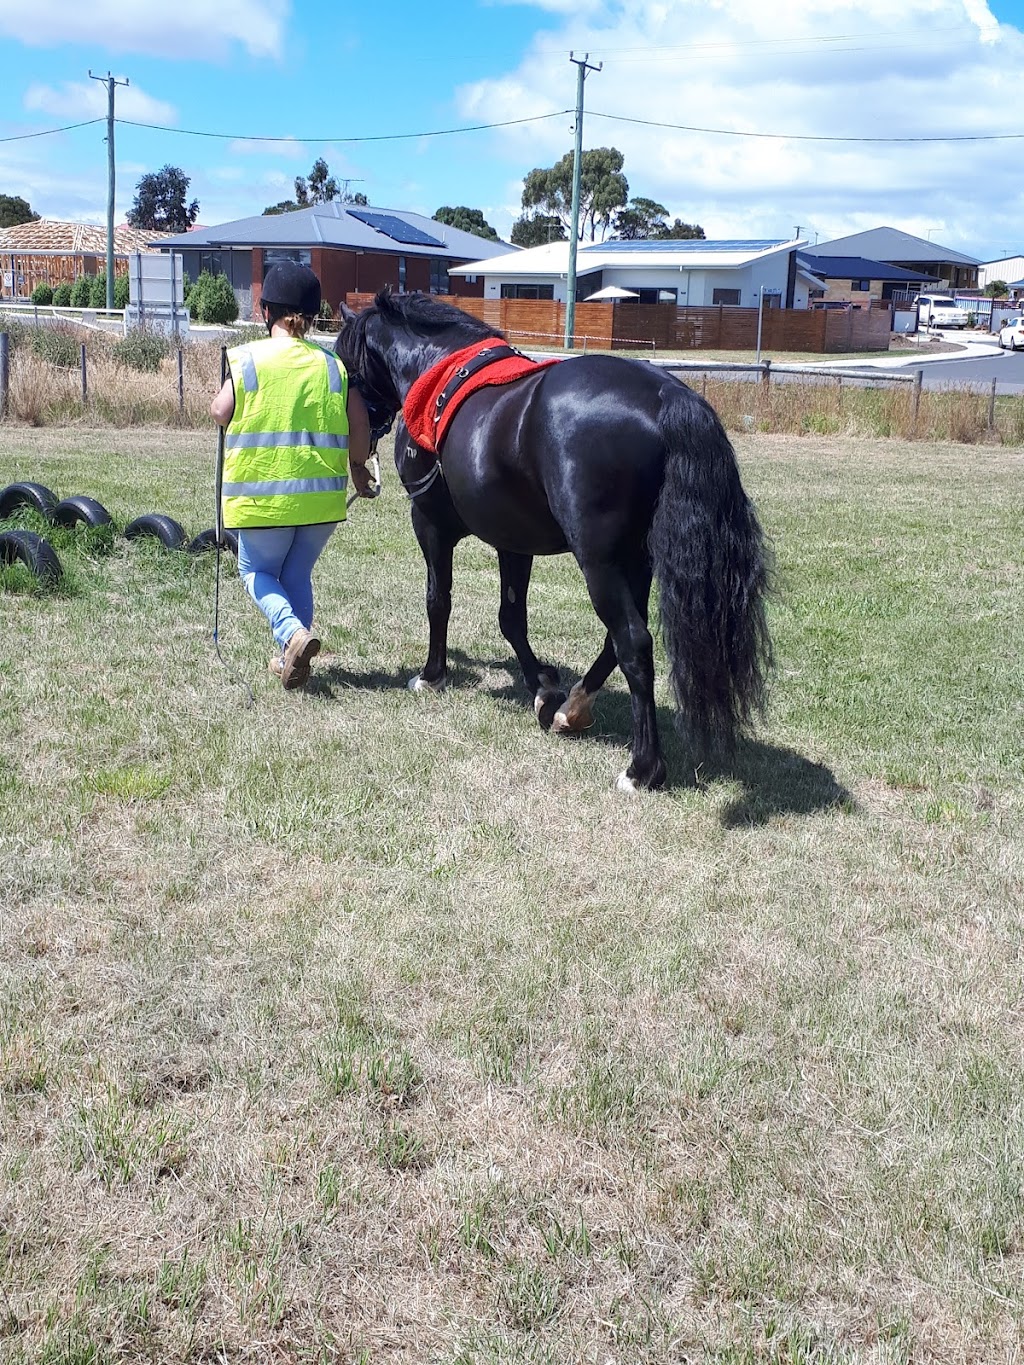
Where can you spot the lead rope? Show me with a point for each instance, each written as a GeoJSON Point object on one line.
{"type": "Point", "coordinates": [219, 525]}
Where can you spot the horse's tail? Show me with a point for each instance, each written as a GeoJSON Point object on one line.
{"type": "Point", "coordinates": [713, 569]}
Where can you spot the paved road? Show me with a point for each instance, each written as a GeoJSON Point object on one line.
{"type": "Point", "coordinates": [1005, 368]}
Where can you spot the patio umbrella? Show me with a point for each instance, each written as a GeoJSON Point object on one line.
{"type": "Point", "coordinates": [611, 291]}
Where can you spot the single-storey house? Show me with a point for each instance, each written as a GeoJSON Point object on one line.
{"type": "Point", "coordinates": [353, 249]}
{"type": "Point", "coordinates": [51, 252]}
{"type": "Point", "coordinates": [854, 279]}
{"type": "Point", "coordinates": [688, 273]}
{"type": "Point", "coordinates": [952, 269]}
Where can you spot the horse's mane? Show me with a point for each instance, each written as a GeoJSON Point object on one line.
{"type": "Point", "coordinates": [429, 316]}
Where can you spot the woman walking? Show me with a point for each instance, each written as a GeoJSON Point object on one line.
{"type": "Point", "coordinates": [295, 431]}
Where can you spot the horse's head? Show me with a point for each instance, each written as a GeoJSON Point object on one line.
{"type": "Point", "coordinates": [388, 345]}
{"type": "Point", "coordinates": [366, 368]}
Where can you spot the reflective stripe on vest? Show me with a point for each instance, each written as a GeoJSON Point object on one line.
{"type": "Point", "coordinates": [286, 446]}
{"type": "Point", "coordinates": [273, 488]}
{"type": "Point", "coordinates": [264, 440]}
{"type": "Point", "coordinates": [249, 381]}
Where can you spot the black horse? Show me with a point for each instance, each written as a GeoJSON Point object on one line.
{"type": "Point", "coordinates": [614, 460]}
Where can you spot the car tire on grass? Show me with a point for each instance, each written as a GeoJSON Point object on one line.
{"type": "Point", "coordinates": [207, 540]}
{"type": "Point", "coordinates": [80, 509]}
{"type": "Point", "coordinates": [33, 551]}
{"type": "Point", "coordinates": [33, 495]}
{"type": "Point", "coordinates": [170, 533]}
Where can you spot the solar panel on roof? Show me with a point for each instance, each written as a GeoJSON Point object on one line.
{"type": "Point", "coordinates": [684, 244]}
{"type": "Point", "coordinates": [395, 228]}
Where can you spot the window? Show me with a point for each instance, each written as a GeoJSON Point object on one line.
{"type": "Point", "coordinates": [401, 274]}
{"type": "Point", "coordinates": [438, 276]}
{"type": "Point", "coordinates": [860, 286]}
{"type": "Point", "coordinates": [281, 255]}
{"type": "Point", "coordinates": [527, 291]}
{"type": "Point", "coordinates": [725, 296]}
{"type": "Point", "coordinates": [657, 296]}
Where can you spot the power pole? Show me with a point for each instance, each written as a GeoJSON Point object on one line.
{"type": "Point", "coordinates": [570, 286]}
{"type": "Point", "coordinates": [109, 81]}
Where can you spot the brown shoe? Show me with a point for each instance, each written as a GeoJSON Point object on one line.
{"type": "Point", "coordinates": [300, 649]}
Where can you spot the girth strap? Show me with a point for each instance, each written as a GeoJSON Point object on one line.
{"type": "Point", "coordinates": [477, 362]}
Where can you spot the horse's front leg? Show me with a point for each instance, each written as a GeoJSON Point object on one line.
{"type": "Point", "coordinates": [541, 679]}
{"type": "Point", "coordinates": [438, 551]}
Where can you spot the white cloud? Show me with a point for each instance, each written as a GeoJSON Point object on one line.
{"type": "Point", "coordinates": [88, 99]}
{"type": "Point", "coordinates": [188, 28]}
{"type": "Point", "coordinates": [796, 67]}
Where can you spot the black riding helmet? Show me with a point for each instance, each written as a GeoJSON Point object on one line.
{"type": "Point", "coordinates": [293, 287]}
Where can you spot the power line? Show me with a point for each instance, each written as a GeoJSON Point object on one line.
{"type": "Point", "coordinates": [806, 137]}
{"type": "Point", "coordinates": [380, 137]}
{"type": "Point", "coordinates": [47, 132]}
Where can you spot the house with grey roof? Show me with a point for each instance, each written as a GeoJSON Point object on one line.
{"type": "Point", "coordinates": [687, 273]}
{"type": "Point", "coordinates": [354, 249]}
{"type": "Point", "coordinates": [856, 280]}
{"type": "Point", "coordinates": [952, 269]}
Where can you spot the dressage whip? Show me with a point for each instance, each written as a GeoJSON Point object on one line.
{"type": "Point", "coordinates": [219, 535]}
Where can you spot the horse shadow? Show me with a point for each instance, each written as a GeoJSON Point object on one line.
{"type": "Point", "coordinates": [773, 780]}
{"type": "Point", "coordinates": [332, 676]}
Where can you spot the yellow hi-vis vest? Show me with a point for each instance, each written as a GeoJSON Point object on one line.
{"type": "Point", "coordinates": [286, 446]}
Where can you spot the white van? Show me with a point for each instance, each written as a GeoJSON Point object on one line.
{"type": "Point", "coordinates": [939, 310]}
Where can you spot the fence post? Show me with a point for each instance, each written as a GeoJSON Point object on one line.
{"type": "Point", "coordinates": [181, 382]}
{"type": "Point", "coordinates": [85, 379]}
{"type": "Point", "coordinates": [5, 372]}
{"type": "Point", "coordinates": [992, 408]}
{"type": "Point", "coordinates": [918, 380]}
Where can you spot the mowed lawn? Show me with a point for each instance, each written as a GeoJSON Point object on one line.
{"type": "Point", "coordinates": [363, 1026]}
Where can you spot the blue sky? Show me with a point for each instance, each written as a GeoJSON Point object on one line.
{"type": "Point", "coordinates": [311, 74]}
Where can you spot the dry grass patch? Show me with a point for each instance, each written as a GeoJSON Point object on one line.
{"type": "Point", "coordinates": [360, 1025]}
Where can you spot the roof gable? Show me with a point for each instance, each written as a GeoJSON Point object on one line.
{"type": "Point", "coordinates": [890, 244]}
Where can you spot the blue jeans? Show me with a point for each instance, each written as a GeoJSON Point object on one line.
{"type": "Point", "coordinates": [276, 565]}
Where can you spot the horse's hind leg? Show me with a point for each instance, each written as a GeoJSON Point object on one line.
{"type": "Point", "coordinates": [577, 711]}
{"type": "Point", "coordinates": [620, 595]}
{"type": "Point", "coordinates": [438, 551]}
{"type": "Point", "coordinates": [541, 679]}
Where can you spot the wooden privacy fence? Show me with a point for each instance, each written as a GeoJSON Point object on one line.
{"type": "Point", "coordinates": [624, 325]}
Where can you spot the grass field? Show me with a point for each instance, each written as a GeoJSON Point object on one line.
{"type": "Point", "coordinates": [356, 1025]}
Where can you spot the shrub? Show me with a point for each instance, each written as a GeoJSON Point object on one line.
{"type": "Point", "coordinates": [122, 291]}
{"type": "Point", "coordinates": [42, 294]}
{"type": "Point", "coordinates": [98, 291]}
{"type": "Point", "coordinates": [80, 292]}
{"type": "Point", "coordinates": [62, 295]}
{"type": "Point", "coordinates": [141, 350]}
{"type": "Point", "coordinates": [217, 302]}
{"type": "Point", "coordinates": [195, 290]}
{"type": "Point", "coordinates": [58, 345]}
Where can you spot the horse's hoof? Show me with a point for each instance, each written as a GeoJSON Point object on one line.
{"type": "Point", "coordinates": [545, 705]}
{"type": "Point", "coordinates": [420, 684]}
{"type": "Point", "coordinates": [575, 714]}
{"type": "Point", "coordinates": [624, 783]}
